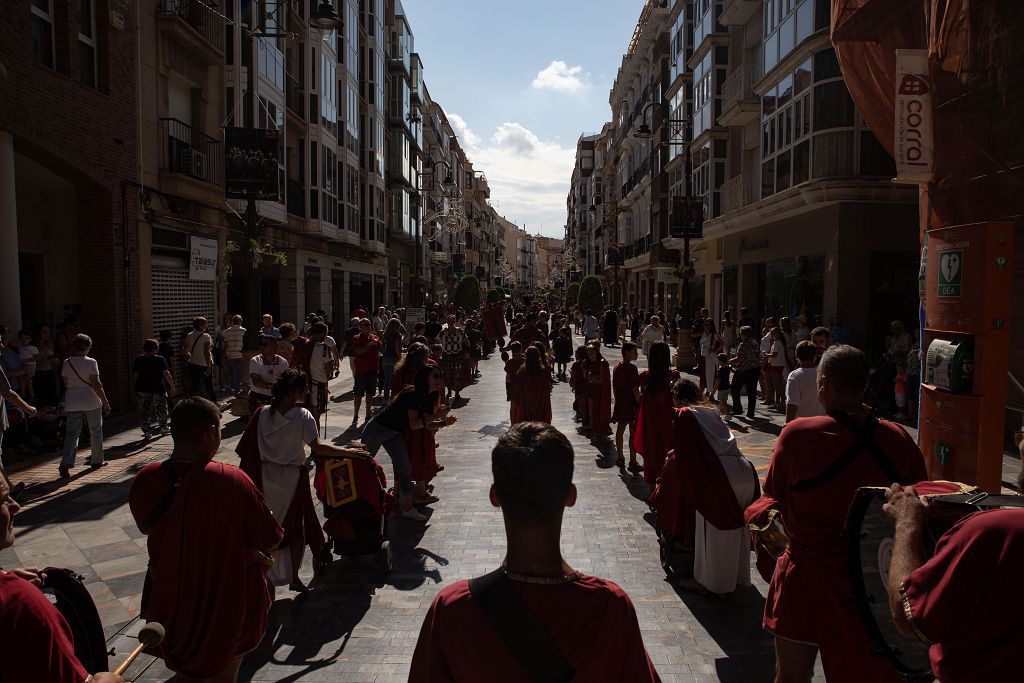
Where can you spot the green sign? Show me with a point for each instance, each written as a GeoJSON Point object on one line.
{"type": "Point", "coordinates": [951, 272]}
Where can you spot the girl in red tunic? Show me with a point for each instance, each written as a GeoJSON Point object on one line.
{"type": "Point", "coordinates": [626, 387]}
{"type": "Point", "coordinates": [599, 390]}
{"type": "Point", "coordinates": [578, 383]}
{"type": "Point", "coordinates": [532, 389]}
{"type": "Point", "coordinates": [653, 435]}
{"type": "Point", "coordinates": [419, 443]}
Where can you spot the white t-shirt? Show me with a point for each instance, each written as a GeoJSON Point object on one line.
{"type": "Point", "coordinates": [196, 342]}
{"type": "Point", "coordinates": [268, 372]}
{"type": "Point", "coordinates": [27, 353]}
{"type": "Point", "coordinates": [283, 438]}
{"type": "Point", "coordinates": [802, 392]}
{"type": "Point", "coordinates": [330, 343]}
{"type": "Point", "coordinates": [779, 359]}
{"type": "Point", "coordinates": [766, 344]}
{"type": "Point", "coordinates": [80, 394]}
{"type": "Point", "coordinates": [590, 326]}
{"type": "Point", "coordinates": [318, 363]}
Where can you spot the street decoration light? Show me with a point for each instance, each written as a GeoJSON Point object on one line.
{"type": "Point", "coordinates": [325, 17]}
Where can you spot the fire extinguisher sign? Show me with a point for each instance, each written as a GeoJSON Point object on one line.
{"type": "Point", "coordinates": [951, 273]}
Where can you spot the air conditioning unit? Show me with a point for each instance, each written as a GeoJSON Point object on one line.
{"type": "Point", "coordinates": [193, 163]}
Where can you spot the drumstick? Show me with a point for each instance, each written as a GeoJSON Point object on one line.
{"type": "Point", "coordinates": [150, 635]}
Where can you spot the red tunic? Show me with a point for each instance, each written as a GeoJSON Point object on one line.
{"type": "Point", "coordinates": [599, 395]}
{"type": "Point", "coordinates": [532, 396]}
{"type": "Point", "coordinates": [208, 585]}
{"type": "Point", "coordinates": [37, 641]}
{"type": "Point", "coordinates": [652, 437]}
{"type": "Point", "coordinates": [962, 598]}
{"type": "Point", "coordinates": [625, 378]}
{"type": "Point", "coordinates": [512, 366]}
{"type": "Point", "coordinates": [591, 621]}
{"type": "Point", "coordinates": [809, 597]}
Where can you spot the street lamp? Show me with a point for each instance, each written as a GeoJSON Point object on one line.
{"type": "Point", "coordinates": [680, 135]}
{"type": "Point", "coordinates": [325, 17]}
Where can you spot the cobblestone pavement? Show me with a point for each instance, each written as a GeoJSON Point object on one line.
{"type": "Point", "coordinates": [357, 624]}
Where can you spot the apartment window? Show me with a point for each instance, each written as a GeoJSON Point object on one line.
{"type": "Point", "coordinates": [229, 99]}
{"type": "Point", "coordinates": [787, 23]}
{"type": "Point", "coordinates": [329, 186]}
{"type": "Point", "coordinates": [42, 32]}
{"type": "Point", "coordinates": [87, 43]}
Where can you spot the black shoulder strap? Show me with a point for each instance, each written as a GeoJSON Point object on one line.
{"type": "Point", "coordinates": [167, 467]}
{"type": "Point", "coordinates": [519, 629]}
{"type": "Point", "coordinates": [863, 440]}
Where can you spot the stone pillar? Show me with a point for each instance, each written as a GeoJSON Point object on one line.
{"type": "Point", "coordinates": [10, 285]}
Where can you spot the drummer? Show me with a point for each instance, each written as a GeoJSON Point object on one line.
{"type": "Point", "coordinates": [264, 371]}
{"type": "Point", "coordinates": [961, 599]}
{"type": "Point", "coordinates": [813, 475]}
{"type": "Point", "coordinates": [35, 636]}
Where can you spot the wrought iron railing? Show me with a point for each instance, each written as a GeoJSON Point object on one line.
{"type": "Point", "coordinates": [199, 15]}
{"type": "Point", "coordinates": [739, 86]}
{"type": "Point", "coordinates": [185, 150]}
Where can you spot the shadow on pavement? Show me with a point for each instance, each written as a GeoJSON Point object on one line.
{"type": "Point", "coordinates": [735, 625]}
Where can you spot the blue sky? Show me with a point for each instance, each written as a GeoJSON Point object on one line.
{"type": "Point", "coordinates": [520, 80]}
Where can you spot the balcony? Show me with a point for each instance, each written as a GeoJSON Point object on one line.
{"type": "Point", "coordinates": [740, 105]}
{"type": "Point", "coordinates": [186, 151]}
{"type": "Point", "coordinates": [737, 193]}
{"type": "Point", "coordinates": [195, 25]}
{"type": "Point", "coordinates": [738, 12]}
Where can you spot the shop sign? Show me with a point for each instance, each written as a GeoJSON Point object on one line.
{"type": "Point", "coordinates": [951, 273]}
{"type": "Point", "coordinates": [415, 314]}
{"type": "Point", "coordinates": [202, 261]}
{"type": "Point", "coordinates": [913, 130]}
{"type": "Point", "coordinates": [251, 165]}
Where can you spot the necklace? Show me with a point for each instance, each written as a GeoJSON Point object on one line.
{"type": "Point", "coordinates": [573, 575]}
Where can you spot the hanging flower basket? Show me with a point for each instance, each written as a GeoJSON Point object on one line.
{"type": "Point", "coordinates": [685, 272]}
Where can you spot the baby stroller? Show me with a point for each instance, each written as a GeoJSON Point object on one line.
{"type": "Point", "coordinates": [674, 523]}
{"type": "Point", "coordinates": [356, 503]}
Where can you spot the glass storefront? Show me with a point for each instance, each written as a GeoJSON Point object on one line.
{"type": "Point", "coordinates": [792, 287]}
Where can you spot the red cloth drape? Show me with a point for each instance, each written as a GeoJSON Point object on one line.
{"type": "Point", "coordinates": [301, 520]}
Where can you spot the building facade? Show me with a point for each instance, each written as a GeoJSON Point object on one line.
{"type": "Point", "coordinates": [747, 113]}
{"type": "Point", "coordinates": [112, 169]}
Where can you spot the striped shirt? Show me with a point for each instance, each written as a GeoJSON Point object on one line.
{"type": "Point", "coordinates": [233, 337]}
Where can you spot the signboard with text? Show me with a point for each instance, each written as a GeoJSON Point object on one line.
{"type": "Point", "coordinates": [251, 164]}
{"type": "Point", "coordinates": [202, 260]}
{"type": "Point", "coordinates": [912, 146]}
{"type": "Point", "coordinates": [687, 218]}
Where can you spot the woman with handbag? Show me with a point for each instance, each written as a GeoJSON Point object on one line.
{"type": "Point", "coordinates": [85, 402]}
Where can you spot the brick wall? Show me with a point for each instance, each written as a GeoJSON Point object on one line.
{"type": "Point", "coordinates": [88, 136]}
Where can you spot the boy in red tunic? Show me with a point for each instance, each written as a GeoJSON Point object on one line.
{"type": "Point", "coordinates": [531, 389]}
{"type": "Point", "coordinates": [207, 539]}
{"type": "Point", "coordinates": [599, 390]}
{"type": "Point", "coordinates": [626, 388]}
{"type": "Point", "coordinates": [813, 475]}
{"type": "Point", "coordinates": [590, 623]}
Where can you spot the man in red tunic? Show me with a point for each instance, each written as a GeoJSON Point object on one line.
{"type": "Point", "coordinates": [960, 600]}
{"type": "Point", "coordinates": [37, 642]}
{"type": "Point", "coordinates": [530, 332]}
{"type": "Point", "coordinates": [818, 465]}
{"type": "Point", "coordinates": [208, 539]}
{"type": "Point", "coordinates": [585, 624]}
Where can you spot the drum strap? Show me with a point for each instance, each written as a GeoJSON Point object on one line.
{"type": "Point", "coordinates": [980, 499]}
{"type": "Point", "coordinates": [519, 629]}
{"type": "Point", "coordinates": [164, 504]}
{"type": "Point", "coordinates": [863, 440]}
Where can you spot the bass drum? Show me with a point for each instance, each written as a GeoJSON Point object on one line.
{"type": "Point", "coordinates": [66, 590]}
{"type": "Point", "coordinates": [870, 538]}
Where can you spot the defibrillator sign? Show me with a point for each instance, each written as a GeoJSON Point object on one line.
{"type": "Point", "coordinates": [951, 273]}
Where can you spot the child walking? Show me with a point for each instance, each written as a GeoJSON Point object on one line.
{"type": "Point", "coordinates": [563, 351]}
{"type": "Point", "coordinates": [626, 388]}
{"type": "Point", "coordinates": [578, 384]}
{"type": "Point", "coordinates": [512, 366]}
{"type": "Point", "coordinates": [721, 388]}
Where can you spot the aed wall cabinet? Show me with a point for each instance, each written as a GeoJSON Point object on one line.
{"type": "Point", "coordinates": [966, 341]}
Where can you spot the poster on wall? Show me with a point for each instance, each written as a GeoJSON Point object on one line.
{"type": "Point", "coordinates": [202, 261]}
{"type": "Point", "coordinates": [415, 314]}
{"type": "Point", "coordinates": [251, 164]}
{"type": "Point", "coordinates": [912, 146]}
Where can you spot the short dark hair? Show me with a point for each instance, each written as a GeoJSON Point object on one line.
{"type": "Point", "coordinates": [515, 346]}
{"type": "Point", "coordinates": [82, 342]}
{"type": "Point", "coordinates": [198, 322]}
{"type": "Point", "coordinates": [191, 418]}
{"type": "Point", "coordinates": [805, 351]}
{"type": "Point", "coordinates": [820, 331]}
{"type": "Point", "coordinates": [165, 335]}
{"type": "Point", "coordinates": [150, 345]}
{"type": "Point", "coordinates": [686, 392]}
{"type": "Point", "coordinates": [286, 330]}
{"type": "Point", "coordinates": [532, 465]}
{"type": "Point", "coordinates": [627, 347]}
{"type": "Point", "coordinates": [847, 369]}
{"type": "Point", "coordinates": [317, 328]}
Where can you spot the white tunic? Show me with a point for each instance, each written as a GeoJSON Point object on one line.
{"type": "Point", "coordinates": [282, 441]}
{"type": "Point", "coordinates": [722, 558]}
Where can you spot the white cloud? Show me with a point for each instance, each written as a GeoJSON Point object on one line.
{"type": "Point", "coordinates": [560, 77]}
{"type": "Point", "coordinates": [529, 177]}
{"type": "Point", "coordinates": [463, 131]}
